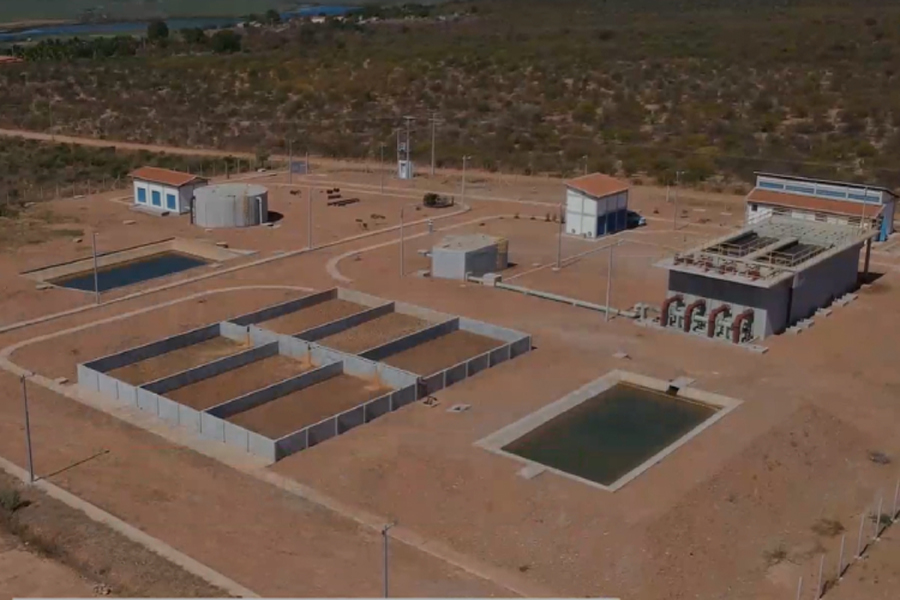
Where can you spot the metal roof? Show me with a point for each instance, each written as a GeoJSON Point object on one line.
{"type": "Point", "coordinates": [598, 185]}
{"type": "Point", "coordinates": [165, 176]}
{"type": "Point", "coordinates": [875, 187]}
{"type": "Point", "coordinates": [814, 203]}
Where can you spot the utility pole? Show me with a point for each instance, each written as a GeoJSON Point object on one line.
{"type": "Point", "coordinates": [465, 160]}
{"type": "Point", "coordinates": [433, 130]}
{"type": "Point", "coordinates": [585, 159]}
{"type": "Point", "coordinates": [290, 161]}
{"type": "Point", "coordinates": [559, 238]}
{"type": "Point", "coordinates": [308, 165]}
{"type": "Point", "coordinates": [408, 120]}
{"type": "Point", "coordinates": [384, 534]}
{"type": "Point", "coordinates": [609, 276]}
{"type": "Point", "coordinates": [309, 229]}
{"type": "Point", "coordinates": [28, 431]}
{"type": "Point", "coordinates": [675, 212]}
{"type": "Point", "coordinates": [96, 275]}
{"type": "Point", "coordinates": [382, 167]}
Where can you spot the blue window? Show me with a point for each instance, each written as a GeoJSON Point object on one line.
{"type": "Point", "coordinates": [171, 202]}
{"type": "Point", "coordinates": [800, 189]}
{"type": "Point", "coordinates": [156, 198]}
{"type": "Point", "coordinates": [770, 185]}
{"type": "Point", "coordinates": [142, 195]}
{"type": "Point", "coordinates": [832, 194]}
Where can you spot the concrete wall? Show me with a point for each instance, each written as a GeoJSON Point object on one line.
{"type": "Point", "coordinates": [211, 369]}
{"type": "Point", "coordinates": [819, 285]}
{"type": "Point", "coordinates": [414, 339]}
{"type": "Point", "coordinates": [447, 263]}
{"type": "Point", "coordinates": [133, 355]}
{"type": "Point", "coordinates": [276, 390]}
{"type": "Point", "coordinates": [283, 308]}
{"type": "Point", "coordinates": [334, 327]}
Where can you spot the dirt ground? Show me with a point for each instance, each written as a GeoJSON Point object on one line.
{"type": "Point", "coordinates": [173, 362]}
{"type": "Point", "coordinates": [50, 550]}
{"type": "Point", "coordinates": [312, 316]}
{"type": "Point", "coordinates": [308, 406]}
{"type": "Point", "coordinates": [209, 392]}
{"type": "Point", "coordinates": [734, 513]}
{"type": "Point", "coordinates": [441, 353]}
{"type": "Point", "coordinates": [374, 333]}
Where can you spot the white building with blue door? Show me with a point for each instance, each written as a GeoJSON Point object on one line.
{"type": "Point", "coordinates": [821, 200]}
{"type": "Point", "coordinates": [164, 190]}
{"type": "Point", "coordinates": [596, 205]}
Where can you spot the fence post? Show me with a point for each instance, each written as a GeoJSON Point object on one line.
{"type": "Point", "coordinates": [894, 506]}
{"type": "Point", "coordinates": [878, 519]}
{"type": "Point", "coordinates": [819, 584]}
{"type": "Point", "coordinates": [862, 521]}
{"type": "Point", "coordinates": [799, 587]}
{"type": "Point", "coordinates": [840, 572]}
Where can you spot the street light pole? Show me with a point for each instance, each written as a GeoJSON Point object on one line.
{"type": "Point", "coordinates": [382, 167]}
{"type": "Point", "coordinates": [433, 128]}
{"type": "Point", "coordinates": [559, 238]}
{"type": "Point", "coordinates": [290, 161]}
{"type": "Point", "coordinates": [585, 158]}
{"type": "Point", "coordinates": [675, 212]}
{"type": "Point", "coordinates": [28, 431]}
{"type": "Point", "coordinates": [384, 534]}
{"type": "Point", "coordinates": [465, 160]}
{"type": "Point", "coordinates": [309, 228]}
{"type": "Point", "coordinates": [609, 275]}
{"type": "Point", "coordinates": [96, 275]}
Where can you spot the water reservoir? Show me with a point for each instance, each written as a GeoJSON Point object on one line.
{"type": "Point", "coordinates": [131, 272]}
{"type": "Point", "coordinates": [605, 437]}
{"type": "Point", "coordinates": [230, 205]}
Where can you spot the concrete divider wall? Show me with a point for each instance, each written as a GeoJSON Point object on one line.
{"type": "Point", "coordinates": [394, 377]}
{"type": "Point", "coordinates": [262, 446]}
{"type": "Point", "coordinates": [339, 325]}
{"type": "Point", "coordinates": [277, 390]}
{"type": "Point", "coordinates": [408, 341]}
{"type": "Point", "coordinates": [478, 364]}
{"type": "Point", "coordinates": [350, 419]}
{"type": "Point", "coordinates": [283, 308]}
{"type": "Point", "coordinates": [212, 427]}
{"type": "Point", "coordinates": [211, 369]}
{"type": "Point", "coordinates": [433, 383]}
{"type": "Point", "coordinates": [126, 393]}
{"type": "Point", "coordinates": [488, 330]}
{"type": "Point", "coordinates": [520, 346]}
{"type": "Point", "coordinates": [358, 297]}
{"type": "Point", "coordinates": [189, 417]}
{"type": "Point", "coordinates": [237, 436]}
{"type": "Point", "coordinates": [88, 378]}
{"type": "Point", "coordinates": [238, 333]}
{"type": "Point", "coordinates": [377, 407]}
{"type": "Point", "coordinates": [261, 337]}
{"type": "Point", "coordinates": [324, 430]}
{"type": "Point", "coordinates": [167, 410]}
{"type": "Point", "coordinates": [423, 313]}
{"type": "Point", "coordinates": [455, 374]}
{"type": "Point", "coordinates": [403, 396]}
{"type": "Point", "coordinates": [133, 355]}
{"type": "Point", "coordinates": [148, 401]}
{"type": "Point", "coordinates": [499, 355]}
{"type": "Point", "coordinates": [108, 386]}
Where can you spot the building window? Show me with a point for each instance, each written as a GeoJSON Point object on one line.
{"type": "Point", "coordinates": [753, 207]}
{"type": "Point", "coordinates": [156, 198]}
{"type": "Point", "coordinates": [171, 202]}
{"type": "Point", "coordinates": [770, 185]}
{"type": "Point", "coordinates": [800, 189]}
{"type": "Point", "coordinates": [831, 194]}
{"type": "Point", "coordinates": [142, 195]}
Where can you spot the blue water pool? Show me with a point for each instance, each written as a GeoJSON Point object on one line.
{"type": "Point", "coordinates": [131, 272]}
{"type": "Point", "coordinates": [606, 436]}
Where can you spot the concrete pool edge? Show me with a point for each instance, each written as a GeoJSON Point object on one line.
{"type": "Point", "coordinates": [497, 441]}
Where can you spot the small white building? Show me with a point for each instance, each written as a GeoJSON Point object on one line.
{"type": "Point", "coordinates": [596, 205]}
{"type": "Point", "coordinates": [475, 254]}
{"type": "Point", "coordinates": [165, 190]}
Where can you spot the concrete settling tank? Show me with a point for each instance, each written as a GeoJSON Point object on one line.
{"type": "Point", "coordinates": [230, 205]}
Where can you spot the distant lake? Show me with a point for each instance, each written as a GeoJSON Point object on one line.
{"type": "Point", "coordinates": [140, 27]}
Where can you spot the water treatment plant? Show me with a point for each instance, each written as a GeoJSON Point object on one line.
{"type": "Point", "coordinates": [629, 413]}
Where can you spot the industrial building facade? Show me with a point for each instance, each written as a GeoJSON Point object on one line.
{"type": "Point", "coordinates": [596, 205]}
{"type": "Point", "coordinates": [761, 280]}
{"type": "Point", "coordinates": [164, 190]}
{"type": "Point", "coordinates": [458, 256]}
{"type": "Point", "coordinates": [821, 200]}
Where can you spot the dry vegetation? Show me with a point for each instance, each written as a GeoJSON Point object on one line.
{"type": "Point", "coordinates": [713, 89]}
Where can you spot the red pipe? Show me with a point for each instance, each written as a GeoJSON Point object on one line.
{"type": "Point", "coordinates": [689, 313]}
{"type": "Point", "coordinates": [713, 314]}
{"type": "Point", "coordinates": [747, 315]}
{"type": "Point", "coordinates": [665, 307]}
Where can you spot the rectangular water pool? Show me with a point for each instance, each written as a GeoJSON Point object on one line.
{"type": "Point", "coordinates": [131, 272]}
{"type": "Point", "coordinates": [607, 436]}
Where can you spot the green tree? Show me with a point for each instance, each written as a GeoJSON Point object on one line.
{"type": "Point", "coordinates": [193, 35]}
{"type": "Point", "coordinates": [157, 31]}
{"type": "Point", "coordinates": [226, 41]}
{"type": "Point", "coordinates": [272, 16]}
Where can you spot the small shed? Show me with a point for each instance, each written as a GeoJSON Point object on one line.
{"type": "Point", "coordinates": [596, 205]}
{"type": "Point", "coordinates": [458, 255]}
{"type": "Point", "coordinates": [163, 190]}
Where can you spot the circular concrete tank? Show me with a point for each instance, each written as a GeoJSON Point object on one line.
{"type": "Point", "coordinates": [230, 205]}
